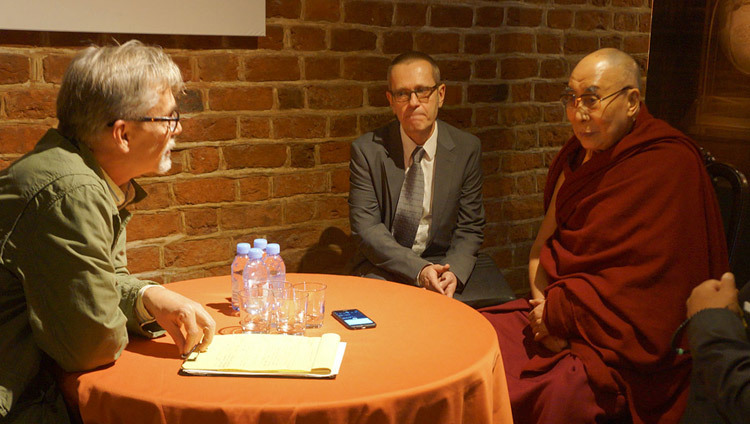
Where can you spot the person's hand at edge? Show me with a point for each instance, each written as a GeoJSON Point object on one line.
{"type": "Point", "coordinates": [184, 319]}
{"type": "Point", "coordinates": [714, 294]}
{"type": "Point", "coordinates": [429, 277]}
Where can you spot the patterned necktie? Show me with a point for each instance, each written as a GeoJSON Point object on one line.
{"type": "Point", "coordinates": [409, 208]}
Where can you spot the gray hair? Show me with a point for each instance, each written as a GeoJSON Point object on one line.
{"type": "Point", "coordinates": [412, 56]}
{"type": "Point", "coordinates": [103, 84]}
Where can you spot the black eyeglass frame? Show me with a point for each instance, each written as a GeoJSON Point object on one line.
{"type": "Point", "coordinates": [173, 120]}
{"type": "Point", "coordinates": [426, 94]}
{"type": "Point", "coordinates": [567, 95]}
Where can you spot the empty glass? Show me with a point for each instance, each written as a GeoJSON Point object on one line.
{"type": "Point", "coordinates": [316, 302]}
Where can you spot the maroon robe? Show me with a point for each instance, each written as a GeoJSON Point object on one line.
{"type": "Point", "coordinates": [638, 226]}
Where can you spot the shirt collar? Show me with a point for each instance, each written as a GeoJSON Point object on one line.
{"type": "Point", "coordinates": [429, 146]}
{"type": "Point", "coordinates": [121, 195]}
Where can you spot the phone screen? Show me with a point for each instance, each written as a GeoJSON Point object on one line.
{"type": "Point", "coordinates": [353, 318]}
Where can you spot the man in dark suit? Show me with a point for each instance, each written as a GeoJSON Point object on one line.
{"type": "Point", "coordinates": [415, 202]}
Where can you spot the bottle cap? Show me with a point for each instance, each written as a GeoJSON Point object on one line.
{"type": "Point", "coordinates": [260, 243]}
{"type": "Point", "coordinates": [243, 248]}
{"type": "Point", "coordinates": [273, 249]}
{"type": "Point", "coordinates": [256, 253]}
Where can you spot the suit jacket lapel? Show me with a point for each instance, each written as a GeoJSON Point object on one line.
{"type": "Point", "coordinates": [444, 172]}
{"type": "Point", "coordinates": [393, 169]}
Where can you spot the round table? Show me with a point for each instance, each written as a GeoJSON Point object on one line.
{"type": "Point", "coordinates": [431, 359]}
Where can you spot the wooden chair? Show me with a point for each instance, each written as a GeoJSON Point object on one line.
{"type": "Point", "coordinates": [733, 195]}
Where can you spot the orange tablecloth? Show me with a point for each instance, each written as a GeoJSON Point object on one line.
{"type": "Point", "coordinates": [430, 360]}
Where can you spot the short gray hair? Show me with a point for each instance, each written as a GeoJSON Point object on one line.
{"type": "Point", "coordinates": [103, 84]}
{"type": "Point", "coordinates": [412, 56]}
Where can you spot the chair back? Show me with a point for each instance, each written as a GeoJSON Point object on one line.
{"type": "Point", "coordinates": [733, 195]}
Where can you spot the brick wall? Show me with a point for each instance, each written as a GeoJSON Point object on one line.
{"type": "Point", "coordinates": [269, 121]}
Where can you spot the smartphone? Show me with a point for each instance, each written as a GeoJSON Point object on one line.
{"type": "Point", "coordinates": [353, 319]}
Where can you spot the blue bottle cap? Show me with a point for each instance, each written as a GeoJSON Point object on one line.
{"type": "Point", "coordinates": [256, 253]}
{"type": "Point", "coordinates": [243, 248]}
{"type": "Point", "coordinates": [260, 243]}
{"type": "Point", "coordinates": [273, 249]}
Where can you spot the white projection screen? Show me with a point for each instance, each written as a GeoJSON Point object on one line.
{"type": "Point", "coordinates": [184, 17]}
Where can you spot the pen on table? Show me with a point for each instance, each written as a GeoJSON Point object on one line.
{"type": "Point", "coordinates": [186, 355]}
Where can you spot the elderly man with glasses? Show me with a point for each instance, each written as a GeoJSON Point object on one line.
{"type": "Point", "coordinates": [66, 294]}
{"type": "Point", "coordinates": [631, 226]}
{"type": "Point", "coordinates": [415, 199]}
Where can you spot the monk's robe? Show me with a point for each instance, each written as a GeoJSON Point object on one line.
{"type": "Point", "coordinates": [638, 227]}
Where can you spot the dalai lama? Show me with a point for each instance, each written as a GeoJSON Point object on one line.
{"type": "Point", "coordinates": [631, 227]}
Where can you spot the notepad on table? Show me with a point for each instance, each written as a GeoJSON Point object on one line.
{"type": "Point", "coordinates": [270, 355]}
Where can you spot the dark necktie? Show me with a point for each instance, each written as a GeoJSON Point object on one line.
{"type": "Point", "coordinates": [409, 208]}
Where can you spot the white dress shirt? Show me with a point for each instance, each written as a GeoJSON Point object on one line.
{"type": "Point", "coordinates": [428, 170]}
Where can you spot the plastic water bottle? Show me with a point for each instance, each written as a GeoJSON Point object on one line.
{"type": "Point", "coordinates": [238, 267]}
{"type": "Point", "coordinates": [254, 312]}
{"type": "Point", "coordinates": [255, 270]}
{"type": "Point", "coordinates": [260, 243]}
{"type": "Point", "coordinates": [275, 265]}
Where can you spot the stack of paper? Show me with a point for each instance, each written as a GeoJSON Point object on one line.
{"type": "Point", "coordinates": [269, 354]}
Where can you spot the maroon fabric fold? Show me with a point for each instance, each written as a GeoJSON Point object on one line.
{"type": "Point", "coordinates": [638, 226]}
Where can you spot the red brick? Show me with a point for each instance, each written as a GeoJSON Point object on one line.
{"type": "Point", "coordinates": [291, 97]}
{"type": "Point", "coordinates": [240, 98]}
{"type": "Point", "coordinates": [644, 22]}
{"type": "Point", "coordinates": [299, 126]}
{"type": "Point", "coordinates": [186, 253]}
{"type": "Point", "coordinates": [490, 164]}
{"type": "Point", "coordinates": [208, 128]}
{"type": "Point", "coordinates": [14, 68]}
{"type": "Point", "coordinates": [218, 67]}
{"type": "Point", "coordinates": [143, 259]}
{"type": "Point", "coordinates": [322, 10]}
{"type": "Point", "coordinates": [486, 116]}
{"type": "Point", "coordinates": [458, 117]}
{"type": "Point", "coordinates": [477, 43]}
{"type": "Point", "coordinates": [490, 16]}
{"type": "Point", "coordinates": [344, 126]}
{"type": "Point", "coordinates": [20, 138]}
{"type": "Point", "coordinates": [495, 139]}
{"type": "Point", "coordinates": [307, 38]}
{"type": "Point", "coordinates": [577, 44]}
{"type": "Point", "coordinates": [518, 68]}
{"type": "Point", "coordinates": [299, 237]}
{"type": "Point", "coordinates": [301, 211]}
{"type": "Point", "coordinates": [372, 121]}
{"type": "Point", "coordinates": [149, 226]}
{"type": "Point", "coordinates": [524, 138]}
{"type": "Point", "coordinates": [554, 135]}
{"type": "Point", "coordinates": [636, 44]}
{"type": "Point", "coordinates": [627, 3]}
{"type": "Point", "coordinates": [547, 91]}
{"type": "Point", "coordinates": [201, 221]}
{"type": "Point", "coordinates": [31, 103]}
{"type": "Point", "coordinates": [497, 186]}
{"type": "Point", "coordinates": [274, 39]}
{"type": "Point", "coordinates": [369, 13]}
{"type": "Point", "coordinates": [485, 69]}
{"type": "Point", "coordinates": [255, 127]}
{"type": "Point", "coordinates": [340, 180]}
{"type": "Point", "coordinates": [307, 183]}
{"type": "Point", "coordinates": [376, 96]}
{"type": "Point", "coordinates": [512, 115]}
{"type": "Point", "coordinates": [451, 16]}
{"type": "Point", "coordinates": [302, 155]}
{"type": "Point", "coordinates": [250, 216]}
{"type": "Point", "coordinates": [203, 159]}
{"type": "Point", "coordinates": [559, 19]}
{"type": "Point", "coordinates": [158, 197]}
{"type": "Point", "coordinates": [272, 68]}
{"type": "Point", "coordinates": [549, 43]}
{"type": "Point", "coordinates": [553, 113]}
{"type": "Point", "coordinates": [454, 70]}
{"type": "Point", "coordinates": [589, 20]}
{"type": "Point", "coordinates": [520, 92]}
{"type": "Point", "coordinates": [554, 68]}
{"type": "Point", "coordinates": [334, 97]}
{"type": "Point", "coordinates": [182, 62]}
{"type": "Point", "coordinates": [526, 17]}
{"type": "Point", "coordinates": [190, 101]}
{"type": "Point", "coordinates": [254, 156]}
{"type": "Point", "coordinates": [614, 40]}
{"type": "Point", "coordinates": [437, 42]}
{"type": "Point", "coordinates": [54, 67]}
{"type": "Point", "coordinates": [520, 161]}
{"type": "Point", "coordinates": [570, 1]}
{"type": "Point", "coordinates": [333, 208]}
{"type": "Point", "coordinates": [410, 15]}
{"type": "Point", "coordinates": [348, 40]}
{"type": "Point", "coordinates": [626, 22]}
{"type": "Point", "coordinates": [523, 208]}
{"type": "Point", "coordinates": [368, 68]}
{"type": "Point", "coordinates": [514, 42]}
{"type": "Point", "coordinates": [335, 152]}
{"type": "Point", "coordinates": [322, 68]}
{"type": "Point", "coordinates": [397, 42]}
{"type": "Point", "coordinates": [490, 93]}
{"type": "Point", "coordinates": [254, 188]}
{"type": "Point", "coordinates": [4, 163]}
{"type": "Point", "coordinates": [283, 8]}
{"type": "Point", "coordinates": [454, 95]}
{"type": "Point", "coordinates": [205, 190]}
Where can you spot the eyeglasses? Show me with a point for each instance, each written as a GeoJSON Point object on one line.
{"type": "Point", "coordinates": [590, 101]}
{"type": "Point", "coordinates": [173, 119]}
{"type": "Point", "coordinates": [423, 94]}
